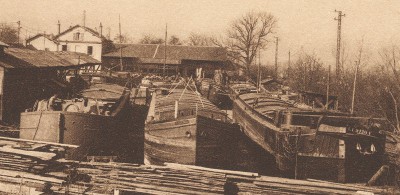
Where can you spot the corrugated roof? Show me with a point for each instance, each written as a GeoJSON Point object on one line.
{"type": "Point", "coordinates": [174, 52]}
{"type": "Point", "coordinates": [26, 58]}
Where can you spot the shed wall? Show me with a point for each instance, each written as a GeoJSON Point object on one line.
{"type": "Point", "coordinates": [21, 88]}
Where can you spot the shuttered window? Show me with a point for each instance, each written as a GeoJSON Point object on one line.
{"type": "Point", "coordinates": [90, 50]}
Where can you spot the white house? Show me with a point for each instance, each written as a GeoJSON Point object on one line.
{"type": "Point", "coordinates": [43, 42]}
{"type": "Point", "coordinates": [77, 39]}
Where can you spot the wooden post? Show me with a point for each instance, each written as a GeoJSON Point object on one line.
{"type": "Point", "coordinates": [342, 165]}
{"type": "Point", "coordinates": [379, 174]}
{"type": "Point", "coordinates": [354, 88]}
{"type": "Point", "coordinates": [298, 132]}
{"type": "Point", "coordinates": [176, 108]}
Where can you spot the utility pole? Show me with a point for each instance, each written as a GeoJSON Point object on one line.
{"type": "Point", "coordinates": [305, 76]}
{"type": "Point", "coordinates": [327, 87]}
{"type": "Point", "coordinates": [101, 30]}
{"type": "Point", "coordinates": [259, 71]}
{"type": "Point", "coordinates": [109, 33]}
{"type": "Point", "coordinates": [165, 48]}
{"type": "Point", "coordinates": [288, 69]}
{"type": "Point", "coordinates": [339, 29]}
{"type": "Point", "coordinates": [84, 18]}
{"type": "Point", "coordinates": [276, 56]}
{"type": "Point", "coordinates": [19, 29]}
{"type": "Point", "coordinates": [354, 87]}
{"type": "Point", "coordinates": [44, 40]}
{"type": "Point", "coordinates": [119, 23]}
{"type": "Point", "coordinates": [120, 41]}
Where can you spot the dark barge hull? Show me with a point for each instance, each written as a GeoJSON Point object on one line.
{"type": "Point", "coordinates": [96, 135]}
{"type": "Point", "coordinates": [336, 158]}
{"type": "Point", "coordinates": [194, 141]}
{"type": "Point", "coordinates": [220, 98]}
{"type": "Point", "coordinates": [266, 136]}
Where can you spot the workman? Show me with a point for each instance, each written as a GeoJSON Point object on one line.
{"type": "Point", "coordinates": [52, 102]}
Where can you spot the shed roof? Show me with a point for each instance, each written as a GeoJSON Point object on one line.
{"type": "Point", "coordinates": [174, 52]}
{"type": "Point", "coordinates": [26, 58]}
{"type": "Point", "coordinates": [3, 44]}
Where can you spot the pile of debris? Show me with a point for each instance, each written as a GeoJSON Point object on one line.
{"type": "Point", "coordinates": [29, 168]}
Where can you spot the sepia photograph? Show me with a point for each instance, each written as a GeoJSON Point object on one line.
{"type": "Point", "coordinates": [120, 97]}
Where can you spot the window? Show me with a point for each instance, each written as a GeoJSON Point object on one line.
{"type": "Point", "coordinates": [64, 48]}
{"type": "Point", "coordinates": [90, 50]}
{"type": "Point", "coordinates": [77, 36]}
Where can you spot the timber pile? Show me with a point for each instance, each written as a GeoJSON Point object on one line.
{"type": "Point", "coordinates": [29, 168]}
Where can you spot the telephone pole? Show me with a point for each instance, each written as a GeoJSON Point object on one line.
{"type": "Point", "coordinates": [259, 71]}
{"type": "Point", "coordinates": [339, 29]}
{"type": "Point", "coordinates": [354, 87]}
{"type": "Point", "coordinates": [276, 56]}
{"type": "Point", "coordinates": [19, 29]}
{"type": "Point", "coordinates": [165, 48]}
{"type": "Point", "coordinates": [120, 41]}
{"type": "Point", "coordinates": [101, 30]}
{"type": "Point", "coordinates": [328, 82]}
{"type": "Point", "coordinates": [288, 69]}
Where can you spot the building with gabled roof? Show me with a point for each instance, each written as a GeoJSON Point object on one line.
{"type": "Point", "coordinates": [28, 75]}
{"type": "Point", "coordinates": [77, 38]}
{"type": "Point", "coordinates": [43, 42]}
{"type": "Point", "coordinates": [150, 58]}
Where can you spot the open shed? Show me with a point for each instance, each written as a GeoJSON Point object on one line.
{"type": "Point", "coordinates": [28, 75]}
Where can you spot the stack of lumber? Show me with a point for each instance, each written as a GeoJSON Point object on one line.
{"type": "Point", "coordinates": [35, 168]}
{"type": "Point", "coordinates": [24, 164]}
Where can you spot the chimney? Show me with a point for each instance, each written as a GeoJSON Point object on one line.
{"type": "Point", "coordinates": [59, 27]}
{"type": "Point", "coordinates": [101, 30]}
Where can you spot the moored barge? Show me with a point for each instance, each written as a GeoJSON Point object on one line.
{"type": "Point", "coordinates": [96, 121]}
{"type": "Point", "coordinates": [183, 127]}
{"type": "Point", "coordinates": [309, 142]}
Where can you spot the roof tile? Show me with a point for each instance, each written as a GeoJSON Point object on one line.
{"type": "Point", "coordinates": [174, 52]}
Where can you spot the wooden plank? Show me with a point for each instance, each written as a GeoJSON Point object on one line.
{"type": "Point", "coordinates": [41, 142]}
{"type": "Point", "coordinates": [179, 166]}
{"type": "Point", "coordinates": [21, 174]}
{"type": "Point", "coordinates": [35, 154]}
{"type": "Point", "coordinates": [330, 185]}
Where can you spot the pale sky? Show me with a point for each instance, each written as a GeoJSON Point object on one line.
{"type": "Point", "coordinates": [306, 25]}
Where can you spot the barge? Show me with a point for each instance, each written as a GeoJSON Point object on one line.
{"type": "Point", "coordinates": [310, 142]}
{"type": "Point", "coordinates": [96, 121]}
{"type": "Point", "coordinates": [184, 127]}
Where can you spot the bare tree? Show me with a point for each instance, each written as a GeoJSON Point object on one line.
{"type": "Point", "coordinates": [390, 80]}
{"type": "Point", "coordinates": [307, 73]}
{"type": "Point", "coordinates": [8, 33]}
{"type": "Point", "coordinates": [197, 39]}
{"type": "Point", "coordinates": [124, 38]}
{"type": "Point", "coordinates": [248, 34]}
{"type": "Point", "coordinates": [150, 39]}
{"type": "Point", "coordinates": [174, 40]}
